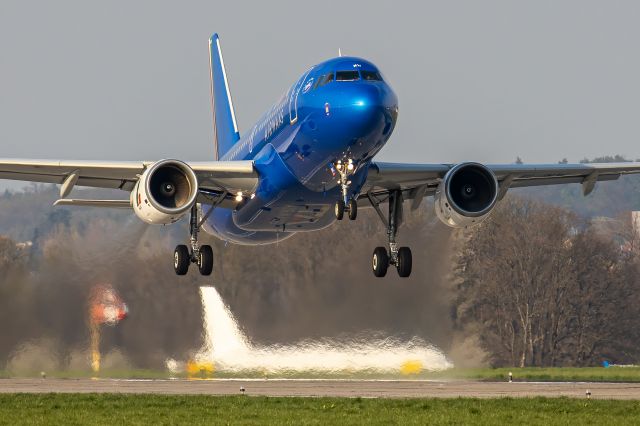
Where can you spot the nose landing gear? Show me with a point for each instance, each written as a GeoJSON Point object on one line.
{"type": "Point", "coordinates": [345, 204]}
{"type": "Point", "coordinates": [200, 255]}
{"type": "Point", "coordinates": [351, 208]}
{"type": "Point", "coordinates": [400, 257]}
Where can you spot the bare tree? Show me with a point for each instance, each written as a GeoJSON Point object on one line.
{"type": "Point", "coordinates": [545, 287]}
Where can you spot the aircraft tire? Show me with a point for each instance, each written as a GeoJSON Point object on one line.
{"type": "Point", "coordinates": [404, 262]}
{"type": "Point", "coordinates": [205, 262]}
{"type": "Point", "coordinates": [380, 262]}
{"type": "Point", "coordinates": [339, 209]}
{"type": "Point", "coordinates": [181, 260]}
{"type": "Point", "coordinates": [353, 209]}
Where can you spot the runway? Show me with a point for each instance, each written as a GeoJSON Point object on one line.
{"type": "Point", "coordinates": [333, 388]}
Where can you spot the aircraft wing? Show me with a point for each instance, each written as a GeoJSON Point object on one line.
{"type": "Point", "coordinates": [419, 180]}
{"type": "Point", "coordinates": [213, 176]}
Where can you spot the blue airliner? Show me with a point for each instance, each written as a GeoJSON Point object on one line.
{"type": "Point", "coordinates": [308, 162]}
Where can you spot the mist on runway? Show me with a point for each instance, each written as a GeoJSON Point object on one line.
{"type": "Point", "coordinates": [230, 350]}
{"type": "Point", "coordinates": [315, 287]}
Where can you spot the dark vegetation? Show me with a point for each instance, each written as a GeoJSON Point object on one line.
{"type": "Point", "coordinates": [44, 289]}
{"type": "Point", "coordinates": [543, 288]}
{"type": "Point", "coordinates": [545, 282]}
{"type": "Point", "coordinates": [311, 286]}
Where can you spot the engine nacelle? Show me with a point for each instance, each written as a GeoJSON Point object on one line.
{"type": "Point", "coordinates": [466, 196]}
{"type": "Point", "coordinates": [165, 192]}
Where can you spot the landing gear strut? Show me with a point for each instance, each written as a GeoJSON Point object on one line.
{"type": "Point", "coordinates": [347, 204]}
{"type": "Point", "coordinates": [200, 255]}
{"type": "Point", "coordinates": [400, 257]}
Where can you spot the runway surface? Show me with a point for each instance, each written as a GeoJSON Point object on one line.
{"type": "Point", "coordinates": [336, 388]}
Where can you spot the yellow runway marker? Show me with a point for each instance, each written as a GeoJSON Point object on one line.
{"type": "Point", "coordinates": [411, 367]}
{"type": "Point", "coordinates": [199, 370]}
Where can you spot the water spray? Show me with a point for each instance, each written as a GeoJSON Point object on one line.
{"type": "Point", "coordinates": [230, 350]}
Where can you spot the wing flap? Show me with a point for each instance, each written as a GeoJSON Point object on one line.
{"type": "Point", "coordinates": [233, 176]}
{"type": "Point", "coordinates": [556, 180]}
{"type": "Point", "coordinates": [120, 204]}
{"type": "Point", "coordinates": [401, 176]}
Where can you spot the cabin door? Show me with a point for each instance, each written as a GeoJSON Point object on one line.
{"type": "Point", "coordinates": [293, 97]}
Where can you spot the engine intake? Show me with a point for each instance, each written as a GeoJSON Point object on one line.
{"type": "Point", "coordinates": [165, 192]}
{"type": "Point", "coordinates": [467, 195]}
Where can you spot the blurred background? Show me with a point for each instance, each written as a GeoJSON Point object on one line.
{"type": "Point", "coordinates": [494, 81]}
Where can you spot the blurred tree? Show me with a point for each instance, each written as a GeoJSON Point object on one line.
{"type": "Point", "coordinates": [545, 289]}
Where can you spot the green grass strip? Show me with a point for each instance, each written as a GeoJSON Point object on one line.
{"type": "Point", "coordinates": [116, 409]}
{"type": "Point", "coordinates": [555, 374]}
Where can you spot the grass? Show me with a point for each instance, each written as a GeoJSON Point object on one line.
{"type": "Point", "coordinates": [587, 374]}
{"type": "Point", "coordinates": [111, 409]}
{"type": "Point", "coordinates": [556, 374]}
{"type": "Point", "coordinates": [594, 374]}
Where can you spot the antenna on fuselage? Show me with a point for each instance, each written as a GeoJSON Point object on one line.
{"type": "Point", "coordinates": [339, 52]}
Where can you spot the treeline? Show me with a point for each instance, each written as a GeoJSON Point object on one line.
{"type": "Point", "coordinates": [313, 286]}
{"type": "Point", "coordinates": [541, 287]}
{"type": "Point", "coordinates": [44, 298]}
{"type": "Point", "coordinates": [534, 285]}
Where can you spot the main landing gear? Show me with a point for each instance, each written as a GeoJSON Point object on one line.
{"type": "Point", "coordinates": [200, 255]}
{"type": "Point", "coordinates": [400, 257]}
{"type": "Point", "coordinates": [345, 204]}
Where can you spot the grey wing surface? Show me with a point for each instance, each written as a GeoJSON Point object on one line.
{"type": "Point", "coordinates": [419, 180]}
{"type": "Point", "coordinates": [214, 177]}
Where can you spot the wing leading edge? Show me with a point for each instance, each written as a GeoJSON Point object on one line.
{"type": "Point", "coordinates": [213, 176]}
{"type": "Point", "coordinates": [419, 180]}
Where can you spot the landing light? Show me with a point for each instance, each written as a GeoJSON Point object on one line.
{"type": "Point", "coordinates": [350, 166]}
{"type": "Point", "coordinates": [253, 196]}
{"type": "Point", "coordinates": [239, 196]}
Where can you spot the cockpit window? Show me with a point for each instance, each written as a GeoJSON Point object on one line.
{"type": "Point", "coordinates": [347, 75]}
{"type": "Point", "coordinates": [371, 75]}
{"type": "Point", "coordinates": [327, 78]}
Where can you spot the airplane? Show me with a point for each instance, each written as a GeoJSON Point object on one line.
{"type": "Point", "coordinates": [307, 162]}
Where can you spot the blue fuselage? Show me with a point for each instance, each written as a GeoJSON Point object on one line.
{"type": "Point", "coordinates": [339, 109]}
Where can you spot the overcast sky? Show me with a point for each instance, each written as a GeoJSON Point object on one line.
{"type": "Point", "coordinates": [476, 80]}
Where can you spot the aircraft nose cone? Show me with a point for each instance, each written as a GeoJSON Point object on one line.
{"type": "Point", "coordinates": [355, 116]}
{"type": "Point", "coordinates": [368, 105]}
{"type": "Point", "coordinates": [367, 97]}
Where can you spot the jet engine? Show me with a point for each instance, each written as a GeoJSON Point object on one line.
{"type": "Point", "coordinates": [165, 192]}
{"type": "Point", "coordinates": [466, 196]}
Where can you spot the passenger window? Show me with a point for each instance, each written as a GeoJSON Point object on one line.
{"type": "Point", "coordinates": [371, 75]}
{"type": "Point", "coordinates": [347, 75]}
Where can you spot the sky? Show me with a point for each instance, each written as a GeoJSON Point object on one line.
{"type": "Point", "coordinates": [486, 81]}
